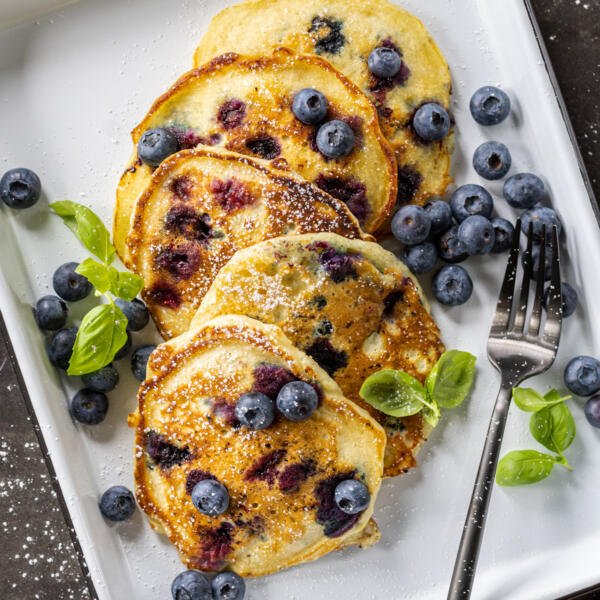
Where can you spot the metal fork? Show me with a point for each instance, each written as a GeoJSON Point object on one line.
{"type": "Point", "coordinates": [518, 352]}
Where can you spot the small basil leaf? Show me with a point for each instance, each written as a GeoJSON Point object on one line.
{"type": "Point", "coordinates": [553, 427]}
{"type": "Point", "coordinates": [522, 467]}
{"type": "Point", "coordinates": [529, 400]}
{"type": "Point", "coordinates": [431, 413]}
{"type": "Point", "coordinates": [101, 335]}
{"type": "Point", "coordinates": [451, 378]}
{"type": "Point", "coordinates": [125, 285]}
{"type": "Point", "coordinates": [88, 228]}
{"type": "Point", "coordinates": [97, 273]}
{"type": "Point", "coordinates": [394, 393]}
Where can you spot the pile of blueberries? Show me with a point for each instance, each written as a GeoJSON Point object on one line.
{"type": "Point", "coordinates": [582, 377]}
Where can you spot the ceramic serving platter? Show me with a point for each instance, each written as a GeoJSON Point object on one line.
{"type": "Point", "coordinates": [72, 85]}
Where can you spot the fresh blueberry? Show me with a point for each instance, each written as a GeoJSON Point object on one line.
{"type": "Point", "coordinates": [569, 298]}
{"type": "Point", "coordinates": [452, 285]}
{"type": "Point", "coordinates": [155, 145]}
{"type": "Point", "coordinates": [524, 190]}
{"type": "Point", "coordinates": [420, 258]}
{"type": "Point", "coordinates": [210, 497]}
{"type": "Point", "coordinates": [384, 62]}
{"type": "Point", "coordinates": [297, 400]}
{"type": "Point", "coordinates": [228, 586]}
{"type": "Point", "coordinates": [471, 199]}
{"type": "Point", "coordinates": [136, 313]}
{"type": "Point", "coordinates": [489, 105]}
{"type": "Point", "coordinates": [477, 235]}
{"type": "Point", "coordinates": [124, 351]}
{"type": "Point", "coordinates": [352, 496]}
{"type": "Point", "coordinates": [535, 260]}
{"type": "Point", "coordinates": [411, 224]}
{"type": "Point", "coordinates": [89, 407]}
{"type": "Point", "coordinates": [592, 411]}
{"type": "Point", "coordinates": [504, 233]}
{"type": "Point", "coordinates": [431, 122]}
{"type": "Point", "coordinates": [539, 217]}
{"type": "Point", "coordinates": [492, 160]}
{"type": "Point", "coordinates": [255, 410]}
{"type": "Point", "coordinates": [20, 188]}
{"type": "Point", "coordinates": [139, 360]}
{"type": "Point", "coordinates": [50, 313]}
{"type": "Point", "coordinates": [310, 106]}
{"type": "Point", "coordinates": [61, 347]}
{"type": "Point", "coordinates": [117, 503]}
{"type": "Point", "coordinates": [70, 286]}
{"type": "Point", "coordinates": [450, 248]}
{"type": "Point", "coordinates": [191, 585]}
{"type": "Point", "coordinates": [103, 380]}
{"type": "Point", "coordinates": [582, 375]}
{"type": "Point", "coordinates": [440, 214]}
{"type": "Point", "coordinates": [335, 139]}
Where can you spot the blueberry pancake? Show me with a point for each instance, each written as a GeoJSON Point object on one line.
{"type": "Point", "coordinates": [279, 480]}
{"type": "Point", "coordinates": [349, 304]}
{"type": "Point", "coordinates": [245, 105]}
{"type": "Point", "coordinates": [201, 206]}
{"type": "Point", "coordinates": [345, 32]}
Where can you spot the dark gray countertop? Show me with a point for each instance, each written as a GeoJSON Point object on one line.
{"type": "Point", "coordinates": [38, 559]}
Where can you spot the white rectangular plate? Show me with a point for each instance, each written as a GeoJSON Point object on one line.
{"type": "Point", "coordinates": [74, 83]}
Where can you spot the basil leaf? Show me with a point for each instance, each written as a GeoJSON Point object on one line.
{"type": "Point", "coordinates": [529, 400]}
{"type": "Point", "coordinates": [101, 335]}
{"type": "Point", "coordinates": [97, 273]}
{"type": "Point", "coordinates": [522, 467]}
{"type": "Point", "coordinates": [88, 228]}
{"type": "Point", "coordinates": [553, 427]}
{"type": "Point", "coordinates": [125, 285]}
{"type": "Point", "coordinates": [394, 393]}
{"type": "Point", "coordinates": [431, 412]}
{"type": "Point", "coordinates": [451, 378]}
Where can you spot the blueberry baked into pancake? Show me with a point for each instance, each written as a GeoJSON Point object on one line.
{"type": "Point", "coordinates": [201, 206]}
{"type": "Point", "coordinates": [248, 456]}
{"type": "Point", "coordinates": [383, 49]}
{"type": "Point", "coordinates": [349, 304]}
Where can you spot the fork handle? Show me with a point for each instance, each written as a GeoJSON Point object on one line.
{"type": "Point", "coordinates": [470, 542]}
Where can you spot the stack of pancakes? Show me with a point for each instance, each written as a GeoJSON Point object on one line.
{"type": "Point", "coordinates": [261, 266]}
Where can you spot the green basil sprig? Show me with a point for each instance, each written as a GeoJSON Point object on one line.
{"type": "Point", "coordinates": [103, 330]}
{"type": "Point", "coordinates": [399, 394]}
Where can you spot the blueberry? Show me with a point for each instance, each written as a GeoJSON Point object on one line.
{"type": "Point", "coordinates": [492, 160]}
{"type": "Point", "coordinates": [20, 188]}
{"type": "Point", "coordinates": [538, 217]}
{"type": "Point", "coordinates": [89, 407]}
{"type": "Point", "coordinates": [191, 585]}
{"type": "Point", "coordinates": [471, 199]}
{"type": "Point", "coordinates": [335, 139]}
{"type": "Point", "coordinates": [61, 347]}
{"type": "Point", "coordinates": [440, 214]}
{"type": "Point", "coordinates": [450, 248]}
{"type": "Point", "coordinates": [155, 145]}
{"type": "Point", "coordinates": [431, 122]}
{"type": "Point", "coordinates": [420, 258]}
{"type": "Point", "coordinates": [535, 260]}
{"type": "Point", "coordinates": [124, 351]}
{"type": "Point", "coordinates": [297, 400]}
{"type": "Point", "coordinates": [352, 496]}
{"type": "Point", "coordinates": [504, 234]}
{"type": "Point", "coordinates": [477, 235]}
{"type": "Point", "coordinates": [210, 497]}
{"type": "Point", "coordinates": [255, 410]}
{"type": "Point", "coordinates": [103, 380]}
{"type": "Point", "coordinates": [139, 360]}
{"type": "Point", "coordinates": [582, 375]}
{"type": "Point", "coordinates": [50, 313]}
{"type": "Point", "coordinates": [228, 586]}
{"type": "Point", "coordinates": [523, 190]}
{"type": "Point", "coordinates": [569, 298]}
{"type": "Point", "coordinates": [489, 105]}
{"type": "Point", "coordinates": [136, 313]}
{"type": "Point", "coordinates": [70, 286]}
{"type": "Point", "coordinates": [452, 285]}
{"type": "Point", "coordinates": [592, 411]}
{"type": "Point", "coordinates": [310, 106]}
{"type": "Point", "coordinates": [411, 224]}
{"type": "Point", "coordinates": [117, 503]}
{"type": "Point", "coordinates": [384, 62]}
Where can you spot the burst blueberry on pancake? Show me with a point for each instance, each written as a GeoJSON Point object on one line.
{"type": "Point", "coordinates": [200, 207]}
{"type": "Point", "coordinates": [280, 480]}
{"type": "Point", "coordinates": [345, 32]}
{"type": "Point", "coordinates": [350, 304]}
